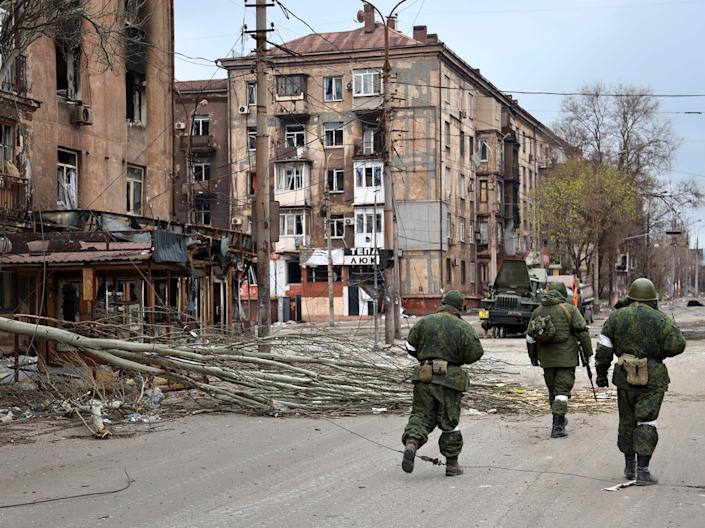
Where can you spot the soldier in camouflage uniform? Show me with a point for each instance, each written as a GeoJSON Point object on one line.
{"type": "Point", "coordinates": [641, 331]}
{"type": "Point", "coordinates": [559, 357]}
{"type": "Point", "coordinates": [436, 339]}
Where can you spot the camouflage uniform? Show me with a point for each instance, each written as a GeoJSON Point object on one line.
{"type": "Point", "coordinates": [445, 336]}
{"type": "Point", "coordinates": [560, 356]}
{"type": "Point", "coordinates": [641, 330]}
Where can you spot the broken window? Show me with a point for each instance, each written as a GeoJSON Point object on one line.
{"type": "Point", "coordinates": [337, 226]}
{"type": "Point", "coordinates": [371, 141]}
{"type": "Point", "coordinates": [135, 181]}
{"type": "Point", "coordinates": [68, 71]}
{"type": "Point", "coordinates": [66, 176]}
{"type": "Point", "coordinates": [333, 134]}
{"type": "Point", "coordinates": [291, 224]}
{"type": "Point", "coordinates": [333, 88]}
{"type": "Point", "coordinates": [368, 175]}
{"type": "Point", "coordinates": [295, 136]}
{"type": "Point", "coordinates": [290, 177]}
{"type": "Point", "coordinates": [251, 138]}
{"type": "Point", "coordinates": [136, 100]}
{"type": "Point", "coordinates": [335, 180]}
{"type": "Point", "coordinates": [201, 172]}
{"type": "Point", "coordinates": [251, 93]}
{"type": "Point", "coordinates": [290, 85]}
{"type": "Point", "coordinates": [202, 213]}
{"type": "Point", "coordinates": [7, 146]}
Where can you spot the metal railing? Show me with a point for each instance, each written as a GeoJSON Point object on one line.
{"type": "Point", "coordinates": [15, 80]}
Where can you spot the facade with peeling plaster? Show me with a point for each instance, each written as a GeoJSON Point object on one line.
{"type": "Point", "coordinates": [92, 233]}
{"type": "Point", "coordinates": [455, 217]}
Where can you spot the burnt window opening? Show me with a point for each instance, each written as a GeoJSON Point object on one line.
{"type": "Point", "coordinates": [320, 274]}
{"type": "Point", "coordinates": [68, 71]}
{"type": "Point", "coordinates": [135, 98]}
{"type": "Point", "coordinates": [293, 272]}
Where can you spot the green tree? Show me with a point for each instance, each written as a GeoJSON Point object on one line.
{"type": "Point", "coordinates": [584, 205]}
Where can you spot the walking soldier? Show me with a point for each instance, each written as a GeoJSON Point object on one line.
{"type": "Point", "coordinates": [641, 337]}
{"type": "Point", "coordinates": [441, 342]}
{"type": "Point", "coordinates": [555, 332]}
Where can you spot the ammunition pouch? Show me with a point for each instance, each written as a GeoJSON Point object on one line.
{"type": "Point", "coordinates": [440, 366]}
{"type": "Point", "coordinates": [637, 369]}
{"type": "Point", "coordinates": [425, 373]}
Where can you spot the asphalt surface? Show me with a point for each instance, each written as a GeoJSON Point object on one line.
{"type": "Point", "coordinates": [238, 471]}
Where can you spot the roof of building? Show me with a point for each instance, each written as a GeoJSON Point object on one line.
{"type": "Point", "coordinates": [75, 257]}
{"type": "Point", "coordinates": [356, 39]}
{"type": "Point", "coordinates": [210, 85]}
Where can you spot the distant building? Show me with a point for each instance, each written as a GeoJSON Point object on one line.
{"type": "Point", "coordinates": [201, 111]}
{"type": "Point", "coordinates": [458, 211]}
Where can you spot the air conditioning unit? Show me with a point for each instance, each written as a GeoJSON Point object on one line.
{"type": "Point", "coordinates": [349, 86]}
{"type": "Point", "coordinates": [244, 109]}
{"type": "Point", "coordinates": [82, 115]}
{"type": "Point", "coordinates": [237, 221]}
{"type": "Point", "coordinates": [348, 221]}
{"type": "Point", "coordinates": [180, 125]}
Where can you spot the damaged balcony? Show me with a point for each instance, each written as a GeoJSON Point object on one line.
{"type": "Point", "coordinates": [14, 197]}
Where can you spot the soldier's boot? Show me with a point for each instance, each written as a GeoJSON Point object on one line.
{"type": "Point", "coordinates": [643, 476]}
{"type": "Point", "coordinates": [453, 469]}
{"type": "Point", "coordinates": [630, 466]}
{"type": "Point", "coordinates": [558, 429]}
{"type": "Point", "coordinates": [407, 462]}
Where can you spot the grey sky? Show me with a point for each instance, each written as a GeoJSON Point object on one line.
{"type": "Point", "coordinates": [537, 45]}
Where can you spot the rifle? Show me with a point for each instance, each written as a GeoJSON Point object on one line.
{"type": "Point", "coordinates": [586, 364]}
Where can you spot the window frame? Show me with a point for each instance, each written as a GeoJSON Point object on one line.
{"type": "Point", "coordinates": [251, 138]}
{"type": "Point", "coordinates": [290, 177]}
{"type": "Point", "coordinates": [251, 183]}
{"type": "Point", "coordinates": [134, 182]}
{"type": "Point", "coordinates": [337, 225]}
{"type": "Point", "coordinates": [333, 80]}
{"type": "Point", "coordinates": [359, 82]}
{"type": "Point", "coordinates": [375, 178]}
{"type": "Point", "coordinates": [202, 212]}
{"type": "Point", "coordinates": [333, 134]}
{"type": "Point", "coordinates": [290, 91]}
{"type": "Point", "coordinates": [199, 129]}
{"type": "Point", "coordinates": [335, 177]}
{"type": "Point", "coordinates": [65, 168]}
{"type": "Point", "coordinates": [205, 171]}
{"type": "Point", "coordinates": [461, 229]}
{"type": "Point", "coordinates": [367, 227]}
{"type": "Point", "coordinates": [484, 191]}
{"type": "Point", "coordinates": [289, 133]}
{"type": "Point", "coordinates": [7, 132]}
{"type": "Point", "coordinates": [484, 146]}
{"type": "Point", "coordinates": [463, 188]}
{"type": "Point", "coordinates": [290, 217]}
{"type": "Point", "coordinates": [446, 88]}
{"type": "Point", "coordinates": [251, 93]}
{"type": "Point", "coordinates": [446, 134]}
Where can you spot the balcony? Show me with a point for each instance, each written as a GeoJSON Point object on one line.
{"type": "Point", "coordinates": [290, 244]}
{"type": "Point", "coordinates": [292, 188]}
{"type": "Point", "coordinates": [288, 153]}
{"type": "Point", "coordinates": [203, 188]}
{"type": "Point", "coordinates": [14, 199]}
{"type": "Point", "coordinates": [199, 144]}
{"type": "Point", "coordinates": [15, 80]}
{"type": "Point", "coordinates": [291, 107]}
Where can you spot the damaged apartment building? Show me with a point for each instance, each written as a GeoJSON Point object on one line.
{"type": "Point", "coordinates": [89, 218]}
{"type": "Point", "coordinates": [464, 159]}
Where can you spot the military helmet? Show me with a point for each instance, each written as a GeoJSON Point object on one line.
{"type": "Point", "coordinates": [642, 290]}
{"type": "Point", "coordinates": [454, 298]}
{"type": "Point", "coordinates": [559, 287]}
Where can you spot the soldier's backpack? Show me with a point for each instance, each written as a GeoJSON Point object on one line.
{"type": "Point", "coordinates": [542, 329]}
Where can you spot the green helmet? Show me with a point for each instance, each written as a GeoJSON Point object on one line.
{"type": "Point", "coordinates": [454, 298]}
{"type": "Point", "coordinates": [642, 290]}
{"type": "Point", "coordinates": [559, 287]}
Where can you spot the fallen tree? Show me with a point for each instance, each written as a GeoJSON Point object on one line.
{"type": "Point", "coordinates": [304, 373]}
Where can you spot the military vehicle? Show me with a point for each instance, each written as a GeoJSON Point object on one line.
{"type": "Point", "coordinates": [511, 299]}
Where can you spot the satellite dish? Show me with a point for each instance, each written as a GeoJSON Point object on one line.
{"type": "Point", "coordinates": [361, 16]}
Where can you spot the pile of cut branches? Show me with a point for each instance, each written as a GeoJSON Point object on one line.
{"type": "Point", "coordinates": [287, 373]}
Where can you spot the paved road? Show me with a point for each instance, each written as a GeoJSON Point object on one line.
{"type": "Point", "coordinates": [237, 471]}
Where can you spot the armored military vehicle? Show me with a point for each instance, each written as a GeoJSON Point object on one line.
{"type": "Point", "coordinates": [511, 299]}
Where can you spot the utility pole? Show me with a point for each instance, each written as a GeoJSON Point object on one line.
{"type": "Point", "coordinates": [375, 267]}
{"type": "Point", "coordinates": [392, 322]}
{"type": "Point", "coordinates": [262, 191]}
{"type": "Point", "coordinates": [329, 237]}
